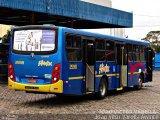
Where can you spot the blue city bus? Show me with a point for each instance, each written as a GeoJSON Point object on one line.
{"type": "Point", "coordinates": [65, 61]}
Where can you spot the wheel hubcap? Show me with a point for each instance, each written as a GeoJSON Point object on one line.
{"type": "Point", "coordinates": [140, 83]}
{"type": "Point", "coordinates": [103, 89]}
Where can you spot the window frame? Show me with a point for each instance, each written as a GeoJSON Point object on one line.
{"type": "Point", "coordinates": [114, 49]}
{"type": "Point", "coordinates": [36, 52]}
{"type": "Point", "coordinates": [105, 49]}
{"type": "Point", "coordinates": [100, 50]}
{"type": "Point", "coordinates": [74, 48]}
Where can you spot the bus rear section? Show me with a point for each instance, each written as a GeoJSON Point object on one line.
{"type": "Point", "coordinates": [34, 60]}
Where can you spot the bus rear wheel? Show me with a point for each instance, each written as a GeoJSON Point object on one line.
{"type": "Point", "coordinates": [102, 89]}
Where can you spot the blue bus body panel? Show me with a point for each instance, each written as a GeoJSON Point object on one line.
{"type": "Point", "coordinates": [112, 74]}
{"type": "Point", "coordinates": [75, 79]}
{"type": "Point", "coordinates": [134, 67]}
{"type": "Point", "coordinates": [32, 68]}
{"type": "Point", "coordinates": [26, 67]}
{"type": "Point", "coordinates": [114, 80]}
{"type": "Point", "coordinates": [74, 87]}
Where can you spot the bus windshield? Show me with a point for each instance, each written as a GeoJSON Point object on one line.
{"type": "Point", "coordinates": [34, 40]}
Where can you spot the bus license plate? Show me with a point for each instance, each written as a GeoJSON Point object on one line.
{"type": "Point", "coordinates": [32, 80]}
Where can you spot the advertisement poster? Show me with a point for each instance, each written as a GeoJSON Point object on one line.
{"type": "Point", "coordinates": [34, 40]}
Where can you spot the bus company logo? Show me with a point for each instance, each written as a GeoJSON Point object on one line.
{"type": "Point", "coordinates": [44, 63]}
{"type": "Point", "coordinates": [133, 68]}
{"type": "Point", "coordinates": [103, 68]}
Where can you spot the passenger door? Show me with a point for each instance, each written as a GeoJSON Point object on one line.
{"type": "Point", "coordinates": [149, 63]}
{"type": "Point", "coordinates": [89, 63]}
{"type": "Point", "coordinates": [122, 62]}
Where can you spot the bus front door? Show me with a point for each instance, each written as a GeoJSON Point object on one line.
{"type": "Point", "coordinates": [89, 63]}
{"type": "Point", "coordinates": [149, 61]}
{"type": "Point", "coordinates": [122, 61]}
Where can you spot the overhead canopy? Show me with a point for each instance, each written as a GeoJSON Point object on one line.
{"type": "Point", "coordinates": [69, 13]}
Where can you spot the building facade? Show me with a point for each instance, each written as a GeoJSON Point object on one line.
{"type": "Point", "coordinates": [105, 3]}
{"type": "Point", "coordinates": [3, 29]}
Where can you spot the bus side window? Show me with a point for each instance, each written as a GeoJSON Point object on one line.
{"type": "Point", "coordinates": [134, 53]}
{"type": "Point", "coordinates": [125, 56]}
{"type": "Point", "coordinates": [137, 52]}
{"type": "Point", "coordinates": [73, 48]}
{"type": "Point", "coordinates": [118, 54]}
{"type": "Point", "coordinates": [130, 52]}
{"type": "Point", "coordinates": [100, 50]}
{"type": "Point", "coordinates": [142, 53]}
{"type": "Point", "coordinates": [110, 51]}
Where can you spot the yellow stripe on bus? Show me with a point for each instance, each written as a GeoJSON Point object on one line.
{"type": "Point", "coordinates": [76, 78]}
{"type": "Point", "coordinates": [98, 76]}
{"type": "Point", "coordinates": [135, 73]}
{"type": "Point", "coordinates": [109, 75]}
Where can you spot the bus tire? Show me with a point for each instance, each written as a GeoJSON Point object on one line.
{"type": "Point", "coordinates": [140, 82]}
{"type": "Point", "coordinates": [102, 89]}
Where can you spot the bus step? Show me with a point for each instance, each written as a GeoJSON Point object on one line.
{"type": "Point", "coordinates": [121, 88]}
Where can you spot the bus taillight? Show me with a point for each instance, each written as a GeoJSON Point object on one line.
{"type": "Point", "coordinates": [56, 73]}
{"type": "Point", "coordinates": [11, 71]}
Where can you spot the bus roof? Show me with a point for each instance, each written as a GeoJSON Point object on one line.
{"type": "Point", "coordinates": [92, 34]}
{"type": "Point", "coordinates": [98, 35]}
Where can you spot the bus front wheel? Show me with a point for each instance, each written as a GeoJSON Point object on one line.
{"type": "Point", "coordinates": [102, 89]}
